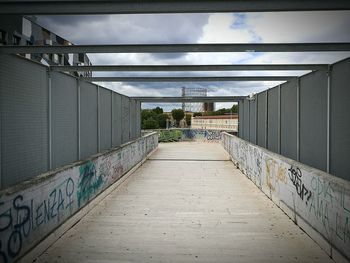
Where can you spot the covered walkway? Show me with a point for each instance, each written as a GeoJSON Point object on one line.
{"type": "Point", "coordinates": [187, 203]}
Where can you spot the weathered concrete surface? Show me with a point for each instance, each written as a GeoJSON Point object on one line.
{"type": "Point", "coordinates": [34, 209]}
{"type": "Point", "coordinates": [318, 202]}
{"type": "Point", "coordinates": [178, 210]}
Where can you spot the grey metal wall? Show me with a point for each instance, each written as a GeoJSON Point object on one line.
{"type": "Point", "coordinates": [262, 119]}
{"type": "Point", "coordinates": [252, 121]}
{"type": "Point", "coordinates": [52, 119]}
{"type": "Point", "coordinates": [105, 118]}
{"type": "Point", "coordinates": [340, 119]}
{"type": "Point", "coordinates": [64, 119]}
{"type": "Point", "coordinates": [24, 119]}
{"type": "Point", "coordinates": [125, 119]}
{"type": "Point", "coordinates": [298, 125]}
{"type": "Point", "coordinates": [88, 119]}
{"type": "Point", "coordinates": [313, 120]}
{"type": "Point", "coordinates": [289, 120]}
{"type": "Point", "coordinates": [117, 116]}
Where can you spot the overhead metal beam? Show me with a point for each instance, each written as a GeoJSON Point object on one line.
{"type": "Point", "coordinates": [188, 79]}
{"type": "Point", "coordinates": [37, 7]}
{"type": "Point", "coordinates": [189, 99]}
{"type": "Point", "coordinates": [181, 48]}
{"type": "Point", "coordinates": [234, 67]}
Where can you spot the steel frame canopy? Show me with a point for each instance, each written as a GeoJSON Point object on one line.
{"type": "Point", "coordinates": [36, 7]}
{"type": "Point", "coordinates": [235, 67]}
{"type": "Point", "coordinates": [189, 79]}
{"type": "Point", "coordinates": [181, 48]}
{"type": "Point", "coordinates": [189, 99]}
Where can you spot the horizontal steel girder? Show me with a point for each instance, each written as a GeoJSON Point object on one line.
{"type": "Point", "coordinates": [191, 67]}
{"type": "Point", "coordinates": [189, 99]}
{"type": "Point", "coordinates": [181, 48]}
{"type": "Point", "coordinates": [36, 7]}
{"type": "Point", "coordinates": [188, 79]}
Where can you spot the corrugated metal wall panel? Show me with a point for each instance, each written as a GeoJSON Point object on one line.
{"type": "Point", "coordinates": [105, 118]}
{"type": "Point", "coordinates": [340, 120]}
{"type": "Point", "coordinates": [138, 119]}
{"type": "Point", "coordinates": [252, 121]}
{"type": "Point", "coordinates": [117, 117]}
{"type": "Point", "coordinates": [132, 119]}
{"type": "Point", "coordinates": [289, 120]}
{"type": "Point", "coordinates": [88, 119]}
{"type": "Point", "coordinates": [240, 118]}
{"type": "Point", "coordinates": [313, 119]}
{"type": "Point", "coordinates": [261, 97]}
{"type": "Point", "coordinates": [24, 119]}
{"type": "Point", "coordinates": [125, 119]}
{"type": "Point", "coordinates": [246, 120]}
{"type": "Point", "coordinates": [64, 119]}
{"type": "Point", "coordinates": [272, 120]}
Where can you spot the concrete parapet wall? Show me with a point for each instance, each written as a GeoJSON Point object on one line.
{"type": "Point", "coordinates": [32, 210]}
{"type": "Point", "coordinates": [316, 201]}
{"type": "Point", "coordinates": [189, 135]}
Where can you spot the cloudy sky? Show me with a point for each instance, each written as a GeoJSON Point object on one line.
{"type": "Point", "coordinates": [276, 27]}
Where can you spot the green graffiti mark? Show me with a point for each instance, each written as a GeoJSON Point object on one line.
{"type": "Point", "coordinates": [89, 182]}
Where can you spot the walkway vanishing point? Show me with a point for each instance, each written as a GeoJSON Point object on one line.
{"type": "Point", "coordinates": [187, 203]}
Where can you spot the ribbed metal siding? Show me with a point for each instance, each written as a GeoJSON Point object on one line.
{"type": "Point", "coordinates": [313, 120]}
{"type": "Point", "coordinates": [117, 119]}
{"type": "Point", "coordinates": [289, 120]}
{"type": "Point", "coordinates": [138, 119]}
{"type": "Point", "coordinates": [132, 119]}
{"type": "Point", "coordinates": [252, 121]}
{"type": "Point", "coordinates": [88, 119]}
{"type": "Point", "coordinates": [261, 119]}
{"type": "Point", "coordinates": [125, 119]}
{"type": "Point", "coordinates": [272, 120]}
{"type": "Point", "coordinates": [105, 119]}
{"type": "Point", "coordinates": [340, 120]}
{"type": "Point", "coordinates": [246, 120]}
{"type": "Point", "coordinates": [64, 119]}
{"type": "Point", "coordinates": [24, 119]}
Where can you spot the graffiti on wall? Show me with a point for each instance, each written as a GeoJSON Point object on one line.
{"type": "Point", "coordinates": [320, 199]}
{"type": "Point", "coordinates": [32, 213]}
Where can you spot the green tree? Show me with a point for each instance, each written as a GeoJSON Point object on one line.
{"type": "Point", "coordinates": [188, 119]}
{"type": "Point", "coordinates": [234, 108]}
{"type": "Point", "coordinates": [197, 114]}
{"type": "Point", "coordinates": [158, 110]}
{"type": "Point", "coordinates": [150, 123]}
{"type": "Point", "coordinates": [162, 120]}
{"type": "Point", "coordinates": [178, 115]}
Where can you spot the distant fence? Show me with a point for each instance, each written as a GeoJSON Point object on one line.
{"type": "Point", "coordinates": [50, 119]}
{"type": "Point", "coordinates": [306, 120]}
{"type": "Point", "coordinates": [318, 202]}
{"type": "Point", "coordinates": [31, 210]}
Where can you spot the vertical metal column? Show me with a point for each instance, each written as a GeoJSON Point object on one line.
{"type": "Point", "coordinates": [112, 115]}
{"type": "Point", "coordinates": [256, 119]}
{"type": "Point", "coordinates": [49, 79]}
{"type": "Point", "coordinates": [79, 125]}
{"type": "Point", "coordinates": [98, 120]}
{"type": "Point", "coordinates": [329, 83]}
{"type": "Point", "coordinates": [266, 116]}
{"type": "Point", "coordinates": [248, 120]}
{"type": "Point", "coordinates": [298, 118]}
{"type": "Point", "coordinates": [279, 119]}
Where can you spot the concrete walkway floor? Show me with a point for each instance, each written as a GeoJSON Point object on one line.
{"type": "Point", "coordinates": [188, 203]}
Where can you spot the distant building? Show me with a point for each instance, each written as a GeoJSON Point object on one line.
{"type": "Point", "coordinates": [23, 30]}
{"type": "Point", "coordinates": [196, 106]}
{"type": "Point", "coordinates": [220, 122]}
